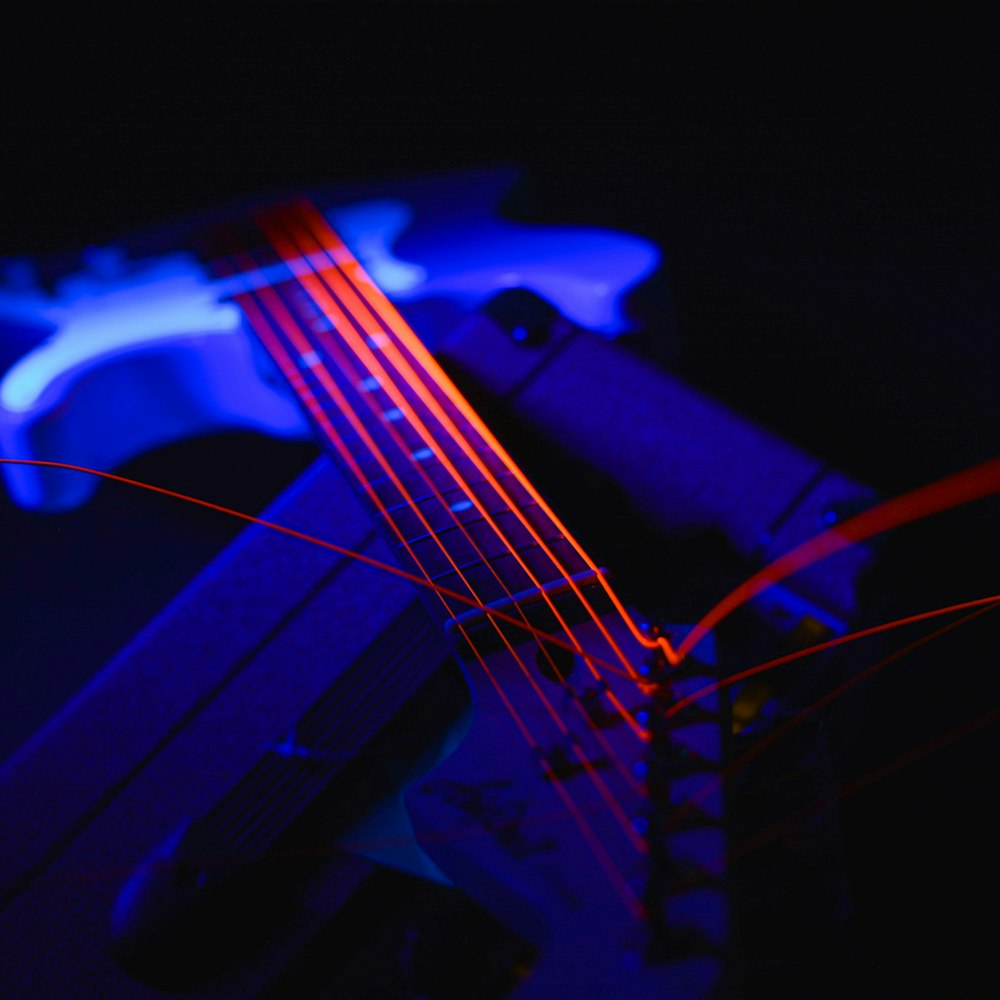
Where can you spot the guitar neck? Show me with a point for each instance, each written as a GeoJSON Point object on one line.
{"type": "Point", "coordinates": [458, 512]}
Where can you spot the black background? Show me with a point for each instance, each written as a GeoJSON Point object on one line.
{"type": "Point", "coordinates": [825, 192]}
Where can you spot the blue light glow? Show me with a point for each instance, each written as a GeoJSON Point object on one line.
{"type": "Point", "coordinates": [141, 355]}
{"type": "Point", "coordinates": [169, 302]}
{"type": "Point", "coordinates": [583, 272]}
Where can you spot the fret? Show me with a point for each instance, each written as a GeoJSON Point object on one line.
{"type": "Point", "coordinates": [419, 483]}
{"type": "Point", "coordinates": [481, 536]}
{"type": "Point", "coordinates": [508, 571]}
{"type": "Point", "coordinates": [462, 505]}
{"type": "Point", "coordinates": [521, 552]}
{"type": "Point", "coordinates": [489, 581]}
{"type": "Point", "coordinates": [454, 514]}
{"type": "Point", "coordinates": [460, 550]}
{"type": "Point", "coordinates": [461, 556]}
{"type": "Point", "coordinates": [538, 606]}
{"type": "Point", "coordinates": [540, 562]}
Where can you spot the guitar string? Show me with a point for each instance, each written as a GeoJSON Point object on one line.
{"type": "Point", "coordinates": [760, 668]}
{"type": "Point", "coordinates": [769, 739]}
{"type": "Point", "coordinates": [866, 780]}
{"type": "Point", "coordinates": [612, 802]}
{"type": "Point", "coordinates": [342, 257]}
{"type": "Point", "coordinates": [343, 278]}
{"type": "Point", "coordinates": [368, 358]}
{"type": "Point", "coordinates": [502, 492]}
{"type": "Point", "coordinates": [237, 283]}
{"type": "Point", "coordinates": [343, 363]}
{"type": "Point", "coordinates": [287, 365]}
{"type": "Point", "coordinates": [662, 643]}
{"type": "Point", "coordinates": [974, 483]}
{"type": "Point", "coordinates": [344, 263]}
{"type": "Point", "coordinates": [280, 314]}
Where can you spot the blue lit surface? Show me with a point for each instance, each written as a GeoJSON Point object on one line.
{"type": "Point", "coordinates": [370, 230]}
{"type": "Point", "coordinates": [137, 361]}
{"type": "Point", "coordinates": [142, 355]}
{"type": "Point", "coordinates": [583, 272]}
{"type": "Point", "coordinates": [168, 301]}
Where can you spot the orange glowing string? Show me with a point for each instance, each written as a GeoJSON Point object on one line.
{"type": "Point", "coordinates": [339, 287]}
{"type": "Point", "coordinates": [866, 780]}
{"type": "Point", "coordinates": [366, 322]}
{"type": "Point", "coordinates": [330, 243]}
{"type": "Point", "coordinates": [963, 487]}
{"type": "Point", "coordinates": [768, 740]}
{"type": "Point", "coordinates": [338, 252]}
{"type": "Point", "coordinates": [291, 253]}
{"type": "Point", "coordinates": [288, 325]}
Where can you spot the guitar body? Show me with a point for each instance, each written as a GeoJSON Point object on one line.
{"type": "Point", "coordinates": [553, 810]}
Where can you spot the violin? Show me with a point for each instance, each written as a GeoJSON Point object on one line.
{"type": "Point", "coordinates": [545, 782]}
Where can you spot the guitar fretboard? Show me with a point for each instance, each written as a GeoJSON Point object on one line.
{"type": "Point", "coordinates": [455, 508]}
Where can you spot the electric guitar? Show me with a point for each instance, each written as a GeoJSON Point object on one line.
{"type": "Point", "coordinates": [565, 775]}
